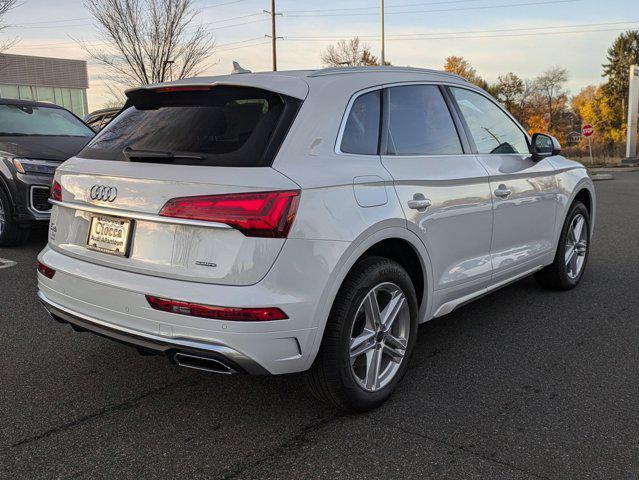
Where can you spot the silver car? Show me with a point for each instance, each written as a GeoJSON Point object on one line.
{"type": "Point", "coordinates": [307, 221]}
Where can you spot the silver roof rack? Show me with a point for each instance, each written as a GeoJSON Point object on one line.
{"type": "Point", "coordinates": [344, 70]}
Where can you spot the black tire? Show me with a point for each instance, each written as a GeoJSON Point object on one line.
{"type": "Point", "coordinates": [556, 275]}
{"type": "Point", "coordinates": [330, 379]}
{"type": "Point", "coordinates": [11, 233]}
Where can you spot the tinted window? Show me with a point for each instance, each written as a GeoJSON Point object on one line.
{"type": "Point", "coordinates": [492, 130]}
{"type": "Point", "coordinates": [224, 126]}
{"type": "Point", "coordinates": [361, 134]}
{"type": "Point", "coordinates": [26, 120]}
{"type": "Point", "coordinates": [420, 122]}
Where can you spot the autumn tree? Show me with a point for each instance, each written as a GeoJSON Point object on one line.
{"type": "Point", "coordinates": [594, 106]}
{"type": "Point", "coordinates": [351, 53]}
{"type": "Point", "coordinates": [462, 67]}
{"type": "Point", "coordinates": [550, 87]}
{"type": "Point", "coordinates": [623, 53]}
{"type": "Point", "coordinates": [5, 7]}
{"type": "Point", "coordinates": [510, 90]}
{"type": "Point", "coordinates": [148, 41]}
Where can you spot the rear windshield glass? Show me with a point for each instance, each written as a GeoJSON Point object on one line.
{"type": "Point", "coordinates": [222, 126]}
{"type": "Point", "coordinates": [24, 120]}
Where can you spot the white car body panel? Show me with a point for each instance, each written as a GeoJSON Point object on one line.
{"type": "Point", "coordinates": [523, 224]}
{"type": "Point", "coordinates": [468, 242]}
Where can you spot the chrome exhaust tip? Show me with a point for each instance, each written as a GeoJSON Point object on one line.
{"type": "Point", "coordinates": [205, 364]}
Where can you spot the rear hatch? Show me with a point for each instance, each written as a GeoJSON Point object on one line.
{"type": "Point", "coordinates": [179, 185]}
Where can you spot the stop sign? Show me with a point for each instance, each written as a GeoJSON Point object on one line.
{"type": "Point", "coordinates": [587, 130]}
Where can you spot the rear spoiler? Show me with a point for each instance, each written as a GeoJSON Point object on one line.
{"type": "Point", "coordinates": [283, 84]}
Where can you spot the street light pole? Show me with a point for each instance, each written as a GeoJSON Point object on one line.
{"type": "Point", "coordinates": [383, 39]}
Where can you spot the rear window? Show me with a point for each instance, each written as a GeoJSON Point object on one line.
{"type": "Point", "coordinates": [25, 120]}
{"type": "Point", "coordinates": [361, 133]}
{"type": "Point", "coordinates": [222, 126]}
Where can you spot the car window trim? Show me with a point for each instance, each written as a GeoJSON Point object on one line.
{"type": "Point", "coordinates": [467, 128]}
{"type": "Point", "coordinates": [461, 132]}
{"type": "Point", "coordinates": [468, 144]}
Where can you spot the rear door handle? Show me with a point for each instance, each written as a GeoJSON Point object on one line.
{"type": "Point", "coordinates": [419, 202]}
{"type": "Point", "coordinates": [503, 192]}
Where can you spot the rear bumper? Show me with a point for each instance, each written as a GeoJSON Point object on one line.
{"type": "Point", "coordinates": [112, 303]}
{"type": "Point", "coordinates": [235, 361]}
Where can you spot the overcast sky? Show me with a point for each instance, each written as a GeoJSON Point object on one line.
{"type": "Point", "coordinates": [496, 36]}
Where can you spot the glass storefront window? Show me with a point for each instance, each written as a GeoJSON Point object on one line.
{"type": "Point", "coordinates": [73, 99]}
{"type": "Point", "coordinates": [45, 94]}
{"type": "Point", "coordinates": [26, 92]}
{"type": "Point", "coordinates": [9, 91]}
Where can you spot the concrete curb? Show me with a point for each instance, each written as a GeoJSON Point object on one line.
{"type": "Point", "coordinates": [601, 176]}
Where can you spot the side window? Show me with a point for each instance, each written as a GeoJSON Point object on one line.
{"type": "Point", "coordinates": [492, 130]}
{"type": "Point", "coordinates": [361, 134]}
{"type": "Point", "coordinates": [420, 123]}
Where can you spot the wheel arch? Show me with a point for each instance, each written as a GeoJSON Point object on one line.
{"type": "Point", "coordinates": [574, 185]}
{"type": "Point", "coordinates": [584, 192]}
{"type": "Point", "coordinates": [380, 241]}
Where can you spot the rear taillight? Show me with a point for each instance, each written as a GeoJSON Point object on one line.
{"type": "Point", "coordinates": [263, 214]}
{"type": "Point", "coordinates": [46, 271]}
{"type": "Point", "coordinates": [56, 191]}
{"type": "Point", "coordinates": [217, 313]}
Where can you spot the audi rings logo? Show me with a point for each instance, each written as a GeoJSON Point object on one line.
{"type": "Point", "coordinates": [104, 193]}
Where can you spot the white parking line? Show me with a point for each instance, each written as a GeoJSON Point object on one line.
{"type": "Point", "coordinates": [4, 263]}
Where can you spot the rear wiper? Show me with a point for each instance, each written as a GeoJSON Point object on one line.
{"type": "Point", "coordinates": [156, 156]}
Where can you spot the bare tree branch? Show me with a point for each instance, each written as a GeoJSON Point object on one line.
{"type": "Point", "coordinates": [351, 53]}
{"type": "Point", "coordinates": [148, 41]}
{"type": "Point", "coordinates": [5, 7]}
{"type": "Point", "coordinates": [550, 86]}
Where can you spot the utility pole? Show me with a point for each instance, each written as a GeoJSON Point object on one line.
{"type": "Point", "coordinates": [383, 39]}
{"type": "Point", "coordinates": [273, 36]}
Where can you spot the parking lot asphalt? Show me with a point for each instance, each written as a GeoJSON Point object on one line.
{"type": "Point", "coordinates": [524, 383]}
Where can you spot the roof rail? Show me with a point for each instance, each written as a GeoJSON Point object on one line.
{"type": "Point", "coordinates": [343, 70]}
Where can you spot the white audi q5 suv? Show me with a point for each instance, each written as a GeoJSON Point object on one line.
{"type": "Point", "coordinates": [306, 221]}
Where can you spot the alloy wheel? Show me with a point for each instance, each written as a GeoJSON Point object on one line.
{"type": "Point", "coordinates": [379, 336]}
{"type": "Point", "coordinates": [576, 246]}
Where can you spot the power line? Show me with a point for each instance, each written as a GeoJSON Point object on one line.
{"type": "Point", "coordinates": [482, 7]}
{"type": "Point", "coordinates": [29, 25]}
{"type": "Point", "coordinates": [532, 34]}
{"type": "Point", "coordinates": [264, 42]}
{"type": "Point", "coordinates": [461, 32]}
{"type": "Point", "coordinates": [408, 36]}
{"type": "Point", "coordinates": [222, 4]}
{"type": "Point", "coordinates": [405, 5]}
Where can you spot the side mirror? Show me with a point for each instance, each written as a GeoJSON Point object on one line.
{"type": "Point", "coordinates": [544, 146]}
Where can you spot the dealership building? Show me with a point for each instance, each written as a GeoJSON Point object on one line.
{"type": "Point", "coordinates": [54, 80]}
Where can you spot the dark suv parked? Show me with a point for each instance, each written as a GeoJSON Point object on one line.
{"type": "Point", "coordinates": [34, 139]}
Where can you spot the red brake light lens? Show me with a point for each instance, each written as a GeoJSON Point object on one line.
{"type": "Point", "coordinates": [217, 313]}
{"type": "Point", "coordinates": [46, 271]}
{"type": "Point", "coordinates": [263, 214]}
{"type": "Point", "coordinates": [56, 191]}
